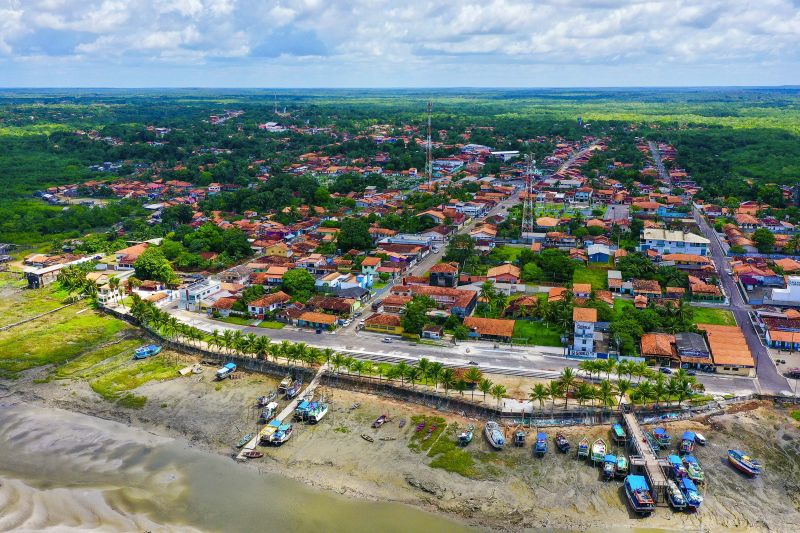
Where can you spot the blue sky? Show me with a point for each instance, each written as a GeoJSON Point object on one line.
{"type": "Point", "coordinates": [408, 43]}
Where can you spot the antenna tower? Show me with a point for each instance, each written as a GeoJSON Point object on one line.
{"type": "Point", "coordinates": [528, 209]}
{"type": "Point", "coordinates": [429, 151]}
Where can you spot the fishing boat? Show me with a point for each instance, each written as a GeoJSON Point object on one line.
{"type": "Point", "coordinates": [494, 435]}
{"type": "Point", "coordinates": [744, 462]}
{"type": "Point", "coordinates": [609, 466]}
{"type": "Point", "coordinates": [690, 492]}
{"type": "Point", "coordinates": [402, 423]}
{"type": "Point", "coordinates": [465, 437]}
{"type": "Point", "coordinates": [252, 454]}
{"type": "Point", "coordinates": [651, 440]}
{"type": "Point", "coordinates": [429, 433]}
{"type": "Point", "coordinates": [317, 413]}
{"type": "Point", "coordinates": [269, 411]}
{"type": "Point", "coordinates": [381, 420]}
{"type": "Point", "coordinates": [265, 435]}
{"type": "Point", "coordinates": [420, 427]}
{"type": "Point", "coordinates": [598, 450]}
{"type": "Point", "coordinates": [677, 468]}
{"type": "Point", "coordinates": [519, 438]}
{"type": "Point", "coordinates": [262, 401]}
{"type": "Point", "coordinates": [662, 437]}
{"type": "Point", "coordinates": [301, 410]}
{"type": "Point", "coordinates": [622, 466]}
{"type": "Point", "coordinates": [285, 384]}
{"type": "Point", "coordinates": [639, 496]}
{"type": "Point", "coordinates": [687, 442]}
{"type": "Point", "coordinates": [700, 439]}
{"type": "Point", "coordinates": [283, 434]}
{"type": "Point", "coordinates": [540, 448]}
{"type": "Point", "coordinates": [619, 434]}
{"type": "Point", "coordinates": [294, 389]}
{"type": "Point", "coordinates": [583, 449]}
{"type": "Point", "coordinates": [562, 443]}
{"type": "Point", "coordinates": [146, 351]}
{"type": "Point", "coordinates": [244, 440]}
{"type": "Point", "coordinates": [367, 437]}
{"type": "Point", "coordinates": [675, 496]}
{"type": "Point", "coordinates": [693, 469]}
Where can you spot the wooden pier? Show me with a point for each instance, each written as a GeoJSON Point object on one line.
{"type": "Point", "coordinates": [646, 459]}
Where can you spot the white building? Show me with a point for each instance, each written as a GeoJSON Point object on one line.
{"type": "Point", "coordinates": [191, 295]}
{"type": "Point", "coordinates": [673, 242]}
{"type": "Point", "coordinates": [788, 296]}
{"type": "Point", "coordinates": [585, 319]}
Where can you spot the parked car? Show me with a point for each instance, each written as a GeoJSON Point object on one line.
{"type": "Point", "coordinates": [665, 370]}
{"type": "Point", "coordinates": [387, 340]}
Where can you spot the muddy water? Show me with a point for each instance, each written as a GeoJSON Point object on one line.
{"type": "Point", "coordinates": [63, 471]}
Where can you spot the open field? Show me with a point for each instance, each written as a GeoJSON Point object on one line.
{"type": "Point", "coordinates": [537, 333]}
{"type": "Point", "coordinates": [594, 274]}
{"type": "Point", "coordinates": [18, 303]}
{"type": "Point", "coordinates": [709, 315]}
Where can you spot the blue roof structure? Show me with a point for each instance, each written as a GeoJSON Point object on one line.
{"type": "Point", "coordinates": [637, 482]}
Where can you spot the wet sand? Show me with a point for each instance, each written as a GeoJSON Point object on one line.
{"type": "Point", "coordinates": [509, 490]}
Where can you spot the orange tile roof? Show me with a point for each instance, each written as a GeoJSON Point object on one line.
{"type": "Point", "coordinates": [495, 327]}
{"type": "Point", "coordinates": [584, 314]}
{"type": "Point", "coordinates": [318, 318]}
{"type": "Point", "coordinates": [660, 344]}
{"type": "Point", "coordinates": [581, 287]}
{"type": "Point", "coordinates": [382, 319]}
{"type": "Point", "coordinates": [728, 345]}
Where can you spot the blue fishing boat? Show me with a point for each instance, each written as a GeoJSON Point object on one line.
{"type": "Point", "coordinates": [465, 437]}
{"type": "Point", "coordinates": [519, 438]}
{"type": "Point", "coordinates": [690, 492]}
{"type": "Point", "coordinates": [583, 448]}
{"type": "Point", "coordinates": [609, 466]}
{"type": "Point", "coordinates": [687, 442]}
{"type": "Point", "coordinates": [269, 411]}
{"type": "Point", "coordinates": [675, 496]}
{"type": "Point", "coordinates": [265, 436]}
{"type": "Point", "coordinates": [622, 466]}
{"type": "Point", "coordinates": [494, 435]}
{"type": "Point", "coordinates": [541, 444]}
{"type": "Point", "coordinates": [695, 473]}
{"type": "Point", "coordinates": [294, 389]}
{"type": "Point", "coordinates": [316, 412]}
{"type": "Point", "coordinates": [639, 496]}
{"type": "Point", "coordinates": [563, 444]}
{"type": "Point", "coordinates": [677, 468]}
{"type": "Point", "coordinates": [661, 436]}
{"type": "Point", "coordinates": [744, 462]}
{"type": "Point", "coordinates": [283, 434]}
{"type": "Point", "coordinates": [619, 434]}
{"type": "Point", "coordinates": [146, 351]}
{"type": "Point", "coordinates": [301, 410]}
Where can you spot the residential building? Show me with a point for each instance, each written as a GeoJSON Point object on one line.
{"type": "Point", "coordinates": [268, 303]}
{"type": "Point", "coordinates": [585, 319]}
{"type": "Point", "coordinates": [459, 302]}
{"type": "Point", "coordinates": [496, 329]}
{"type": "Point", "coordinates": [384, 323]}
{"type": "Point", "coordinates": [672, 241]}
{"type": "Point", "coordinates": [189, 297]}
{"type": "Point", "coordinates": [505, 273]}
{"type": "Point", "coordinates": [444, 275]}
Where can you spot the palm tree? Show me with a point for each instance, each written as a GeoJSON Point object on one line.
{"type": "Point", "coordinates": [608, 365]}
{"type": "Point", "coordinates": [435, 373]}
{"type": "Point", "coordinates": [216, 339]}
{"type": "Point", "coordinates": [447, 379]}
{"type": "Point", "coordinates": [251, 339]}
{"type": "Point", "coordinates": [583, 392]}
{"type": "Point", "coordinates": [605, 393]}
{"type": "Point", "coordinates": [424, 366]}
{"type": "Point", "coordinates": [640, 370]}
{"type": "Point", "coordinates": [367, 367]}
{"type": "Point", "coordinates": [485, 386]}
{"type": "Point", "coordinates": [338, 362]}
{"type": "Point", "coordinates": [113, 284]}
{"type": "Point", "coordinates": [589, 367]}
{"type": "Point", "coordinates": [623, 387]}
{"type": "Point", "coordinates": [567, 380]}
{"type": "Point", "coordinates": [357, 366]}
{"type": "Point", "coordinates": [473, 377]}
{"type": "Point", "coordinates": [539, 393]}
{"type": "Point", "coordinates": [644, 392]}
{"type": "Point", "coordinates": [261, 347]}
{"type": "Point", "coordinates": [327, 354]}
{"type": "Point", "coordinates": [684, 391]}
{"type": "Point", "coordinates": [238, 340]}
{"type": "Point", "coordinates": [555, 390]}
{"type": "Point", "coordinates": [413, 373]}
{"type": "Point", "coordinates": [402, 371]}
{"type": "Point", "coordinates": [498, 392]}
{"type": "Point", "coordinates": [659, 387]}
{"type": "Point", "coordinates": [460, 386]}
{"type": "Point", "coordinates": [622, 368]}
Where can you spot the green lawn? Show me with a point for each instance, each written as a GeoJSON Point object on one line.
{"type": "Point", "coordinates": [622, 307]}
{"type": "Point", "coordinates": [237, 320]}
{"type": "Point", "coordinates": [89, 364]}
{"type": "Point", "coordinates": [507, 253]}
{"type": "Point", "coordinates": [117, 384]}
{"type": "Point", "coordinates": [271, 324]}
{"type": "Point", "coordinates": [18, 303]}
{"type": "Point", "coordinates": [536, 333]}
{"type": "Point", "coordinates": [595, 274]}
{"type": "Point", "coordinates": [709, 315]}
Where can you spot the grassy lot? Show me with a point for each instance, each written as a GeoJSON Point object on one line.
{"type": "Point", "coordinates": [508, 253]}
{"type": "Point", "coordinates": [595, 274]}
{"type": "Point", "coordinates": [418, 442]}
{"type": "Point", "coordinates": [18, 303]}
{"type": "Point", "coordinates": [237, 320]}
{"type": "Point", "coordinates": [56, 339]}
{"type": "Point", "coordinates": [536, 333]}
{"type": "Point", "coordinates": [795, 415]}
{"type": "Point", "coordinates": [117, 384]}
{"type": "Point", "coordinates": [622, 307]}
{"type": "Point", "coordinates": [271, 324]}
{"type": "Point", "coordinates": [448, 456]}
{"type": "Point", "coordinates": [89, 364]}
{"type": "Point", "coordinates": [708, 315]}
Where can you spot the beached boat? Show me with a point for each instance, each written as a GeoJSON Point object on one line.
{"type": "Point", "coordinates": [317, 412]}
{"type": "Point", "coordinates": [269, 411]}
{"type": "Point", "coordinates": [429, 432]}
{"type": "Point", "coordinates": [583, 448]}
{"type": "Point", "coordinates": [619, 434]}
{"type": "Point", "coordinates": [690, 492]}
{"type": "Point", "coordinates": [609, 466]}
{"type": "Point", "coordinates": [687, 442]}
{"type": "Point", "coordinates": [146, 351]}
{"type": "Point", "coordinates": [494, 435]}
{"type": "Point", "coordinates": [562, 443]}
{"type": "Point", "coordinates": [519, 438]}
{"type": "Point", "coordinates": [381, 420]}
{"type": "Point", "coordinates": [677, 468]}
{"type": "Point", "coordinates": [675, 496]}
{"type": "Point", "coordinates": [598, 450]}
{"type": "Point", "coordinates": [622, 466]}
{"type": "Point", "coordinates": [652, 441]}
{"type": "Point", "coordinates": [693, 469]}
{"type": "Point", "coordinates": [367, 437]}
{"type": "Point", "coordinates": [262, 401]}
{"type": "Point", "coordinates": [420, 427]}
{"type": "Point", "coordinates": [285, 384]}
{"type": "Point", "coordinates": [244, 440]}
{"type": "Point", "coordinates": [252, 454]}
{"type": "Point", "coordinates": [700, 439]}
{"type": "Point", "coordinates": [744, 462]}
{"type": "Point", "coordinates": [465, 437]}
{"type": "Point", "coordinates": [402, 423]}
{"type": "Point", "coordinates": [294, 389]}
{"type": "Point", "coordinates": [662, 437]}
{"type": "Point", "coordinates": [540, 448]}
{"type": "Point", "coordinates": [283, 434]}
{"type": "Point", "coordinates": [266, 433]}
{"type": "Point", "coordinates": [638, 493]}
{"type": "Point", "coordinates": [301, 410]}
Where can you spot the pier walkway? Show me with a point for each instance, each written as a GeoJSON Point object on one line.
{"type": "Point", "coordinates": [647, 458]}
{"type": "Point", "coordinates": [289, 409]}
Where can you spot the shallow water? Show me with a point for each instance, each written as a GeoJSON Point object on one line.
{"type": "Point", "coordinates": [70, 472]}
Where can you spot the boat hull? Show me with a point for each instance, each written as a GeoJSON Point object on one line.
{"type": "Point", "coordinates": [741, 467]}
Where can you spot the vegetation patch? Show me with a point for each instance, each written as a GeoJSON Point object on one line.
{"type": "Point", "coordinates": [708, 315]}
{"type": "Point", "coordinates": [596, 275]}
{"type": "Point", "coordinates": [18, 303]}
{"type": "Point", "coordinates": [132, 401]}
{"type": "Point", "coordinates": [421, 441]}
{"type": "Point", "coordinates": [795, 414]}
{"type": "Point", "coordinates": [87, 364]}
{"type": "Point", "coordinates": [113, 385]}
{"type": "Point", "coordinates": [271, 324]}
{"type": "Point", "coordinates": [448, 456]}
{"type": "Point", "coordinates": [536, 333]}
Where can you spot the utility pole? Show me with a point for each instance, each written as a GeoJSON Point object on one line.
{"type": "Point", "coordinates": [528, 223]}
{"type": "Point", "coordinates": [429, 151]}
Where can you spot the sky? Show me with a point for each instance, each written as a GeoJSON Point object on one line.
{"type": "Point", "coordinates": [399, 43]}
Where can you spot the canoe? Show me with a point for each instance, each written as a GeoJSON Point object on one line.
{"type": "Point", "coordinates": [244, 440]}
{"type": "Point", "coordinates": [367, 437]}
{"type": "Point", "coordinates": [252, 454]}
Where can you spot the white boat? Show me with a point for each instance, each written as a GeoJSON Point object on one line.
{"type": "Point", "coordinates": [494, 435]}
{"type": "Point", "coordinates": [283, 434]}
{"type": "Point", "coordinates": [700, 439]}
{"type": "Point", "coordinates": [676, 498]}
{"type": "Point", "coordinates": [285, 383]}
{"type": "Point", "coordinates": [317, 413]}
